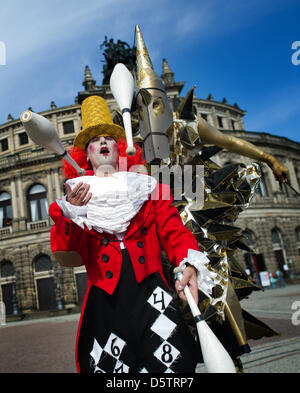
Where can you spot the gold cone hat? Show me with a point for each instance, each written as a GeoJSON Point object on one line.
{"type": "Point", "coordinates": [147, 78]}
{"type": "Point", "coordinates": [96, 121]}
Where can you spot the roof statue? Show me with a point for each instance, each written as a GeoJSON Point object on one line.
{"type": "Point", "coordinates": [114, 53]}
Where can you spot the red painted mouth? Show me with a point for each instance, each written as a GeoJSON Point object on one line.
{"type": "Point", "coordinates": [104, 150]}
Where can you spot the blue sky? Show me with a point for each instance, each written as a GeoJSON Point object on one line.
{"type": "Point", "coordinates": [240, 50]}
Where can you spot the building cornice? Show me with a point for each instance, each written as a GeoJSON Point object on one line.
{"type": "Point", "coordinates": [216, 104]}
{"type": "Point", "coordinates": [16, 123]}
{"type": "Point", "coordinates": [265, 139]}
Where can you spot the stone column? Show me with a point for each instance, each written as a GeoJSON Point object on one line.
{"type": "Point", "coordinates": [21, 198]}
{"type": "Point", "coordinates": [293, 176]}
{"type": "Point", "coordinates": [240, 123]}
{"type": "Point", "coordinates": [273, 182]}
{"type": "Point", "coordinates": [57, 184]}
{"type": "Point", "coordinates": [14, 198]}
{"type": "Point", "coordinates": [22, 218]}
{"type": "Point", "coordinates": [50, 189]}
{"type": "Point", "coordinates": [213, 117]}
{"type": "Point", "coordinates": [228, 123]}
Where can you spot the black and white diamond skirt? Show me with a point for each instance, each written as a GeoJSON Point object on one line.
{"type": "Point", "coordinates": [137, 329]}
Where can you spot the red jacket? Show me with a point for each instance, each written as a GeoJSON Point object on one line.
{"type": "Point", "coordinates": [157, 224]}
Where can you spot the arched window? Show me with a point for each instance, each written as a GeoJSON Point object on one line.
{"type": "Point", "coordinates": [42, 263]}
{"type": "Point", "coordinates": [280, 250]}
{"type": "Point", "coordinates": [297, 231]}
{"type": "Point", "coordinates": [262, 188]}
{"type": "Point", "coordinates": [8, 287]}
{"type": "Point", "coordinates": [5, 209]}
{"type": "Point", "coordinates": [6, 269]}
{"type": "Point", "coordinates": [38, 204]}
{"type": "Point", "coordinates": [284, 189]}
{"type": "Point", "coordinates": [297, 170]}
{"type": "Point", "coordinates": [275, 234]}
{"type": "Point", "coordinates": [44, 282]}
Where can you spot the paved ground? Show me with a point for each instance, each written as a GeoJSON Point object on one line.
{"type": "Point", "coordinates": [48, 345]}
{"type": "Point", "coordinates": [277, 357]}
{"type": "Point", "coordinates": [280, 309]}
{"type": "Point", "coordinates": [39, 346]}
{"type": "Point", "coordinates": [275, 303]}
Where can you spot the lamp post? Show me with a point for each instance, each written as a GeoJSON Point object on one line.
{"type": "Point", "coordinates": [285, 244]}
{"type": "Point", "coordinates": [14, 294]}
{"type": "Point", "coordinates": [58, 291]}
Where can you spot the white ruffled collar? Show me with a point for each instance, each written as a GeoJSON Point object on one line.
{"type": "Point", "coordinates": [116, 199]}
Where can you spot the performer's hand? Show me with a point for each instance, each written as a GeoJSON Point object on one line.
{"type": "Point", "coordinates": [189, 277]}
{"type": "Point", "coordinates": [280, 172]}
{"type": "Point", "coordinates": [79, 195]}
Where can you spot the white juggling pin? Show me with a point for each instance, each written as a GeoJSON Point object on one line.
{"type": "Point", "coordinates": [122, 88]}
{"type": "Point", "coordinates": [215, 356]}
{"type": "Point", "coordinates": [43, 133]}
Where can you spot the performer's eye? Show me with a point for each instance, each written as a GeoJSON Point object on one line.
{"type": "Point", "coordinates": [158, 106]}
{"type": "Point", "coordinates": [109, 138]}
{"type": "Point", "coordinates": [94, 139]}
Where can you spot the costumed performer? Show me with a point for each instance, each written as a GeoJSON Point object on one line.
{"type": "Point", "coordinates": [114, 221]}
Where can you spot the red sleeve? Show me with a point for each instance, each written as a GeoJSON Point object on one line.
{"type": "Point", "coordinates": [175, 238]}
{"type": "Point", "coordinates": [65, 235]}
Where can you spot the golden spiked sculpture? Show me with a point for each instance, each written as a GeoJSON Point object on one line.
{"type": "Point", "coordinates": [154, 111]}
{"type": "Point", "coordinates": [181, 138]}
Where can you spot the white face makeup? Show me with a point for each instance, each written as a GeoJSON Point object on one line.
{"type": "Point", "coordinates": [102, 152]}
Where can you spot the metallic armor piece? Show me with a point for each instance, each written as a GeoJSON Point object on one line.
{"type": "Point", "coordinates": [155, 114]}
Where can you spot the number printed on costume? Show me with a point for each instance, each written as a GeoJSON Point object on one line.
{"type": "Point", "coordinates": [166, 353]}
{"type": "Point", "coordinates": [113, 349]}
{"type": "Point", "coordinates": [114, 345]}
{"type": "Point", "coordinates": [121, 367]}
{"type": "Point", "coordinates": [159, 299]}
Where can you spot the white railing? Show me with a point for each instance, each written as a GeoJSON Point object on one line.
{"type": "Point", "coordinates": [34, 225]}
{"type": "Point", "coordinates": [31, 226]}
{"type": "Point", "coordinates": [5, 231]}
